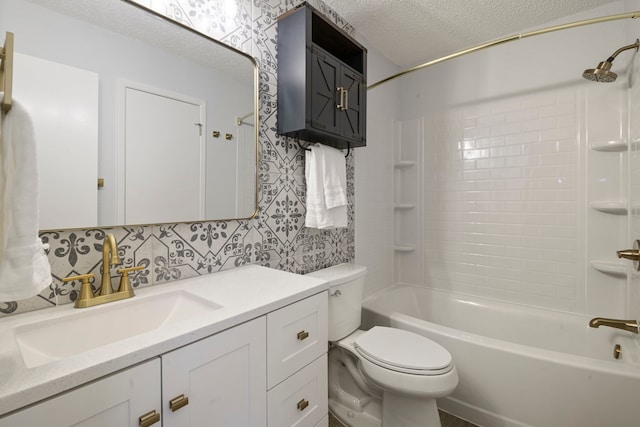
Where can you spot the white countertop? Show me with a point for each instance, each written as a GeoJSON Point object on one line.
{"type": "Point", "coordinates": [244, 294]}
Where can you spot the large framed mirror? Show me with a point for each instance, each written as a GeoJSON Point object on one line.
{"type": "Point", "coordinates": [138, 119]}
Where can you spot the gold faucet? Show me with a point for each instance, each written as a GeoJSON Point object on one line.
{"type": "Point", "coordinates": [109, 257]}
{"type": "Point", "coordinates": [626, 325]}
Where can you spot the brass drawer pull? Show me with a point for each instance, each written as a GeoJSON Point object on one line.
{"type": "Point", "coordinates": [178, 402]}
{"type": "Point", "coordinates": [302, 405]}
{"type": "Point", "coordinates": [149, 418]}
{"type": "Point", "coordinates": [303, 335]}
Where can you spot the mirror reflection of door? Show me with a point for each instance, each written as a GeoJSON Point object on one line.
{"type": "Point", "coordinates": [163, 140]}
{"type": "Point", "coordinates": [62, 102]}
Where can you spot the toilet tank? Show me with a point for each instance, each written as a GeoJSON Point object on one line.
{"type": "Point", "coordinates": [346, 283]}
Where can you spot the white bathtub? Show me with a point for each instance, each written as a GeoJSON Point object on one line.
{"type": "Point", "coordinates": [518, 365]}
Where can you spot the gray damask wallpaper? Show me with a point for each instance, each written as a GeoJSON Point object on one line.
{"type": "Point", "coordinates": [276, 238]}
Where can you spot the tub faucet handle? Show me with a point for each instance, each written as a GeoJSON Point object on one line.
{"type": "Point", "coordinates": [632, 254]}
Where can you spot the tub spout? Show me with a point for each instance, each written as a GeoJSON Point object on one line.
{"type": "Point", "coordinates": [627, 325]}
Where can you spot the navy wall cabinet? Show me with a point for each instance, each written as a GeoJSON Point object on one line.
{"type": "Point", "coordinates": [322, 89]}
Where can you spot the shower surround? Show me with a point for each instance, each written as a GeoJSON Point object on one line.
{"type": "Point", "coordinates": [511, 179]}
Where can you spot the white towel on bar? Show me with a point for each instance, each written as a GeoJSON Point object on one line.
{"type": "Point", "coordinates": [24, 267]}
{"type": "Point", "coordinates": [326, 176]}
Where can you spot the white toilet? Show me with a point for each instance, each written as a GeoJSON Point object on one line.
{"type": "Point", "coordinates": [384, 376]}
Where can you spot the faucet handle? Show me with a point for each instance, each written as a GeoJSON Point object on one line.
{"type": "Point", "coordinates": [632, 254]}
{"type": "Point", "coordinates": [125, 284]}
{"type": "Point", "coordinates": [86, 293]}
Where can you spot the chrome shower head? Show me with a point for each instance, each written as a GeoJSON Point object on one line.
{"type": "Point", "coordinates": [602, 73]}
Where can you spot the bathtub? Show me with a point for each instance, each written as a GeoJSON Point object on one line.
{"type": "Point", "coordinates": [519, 365]}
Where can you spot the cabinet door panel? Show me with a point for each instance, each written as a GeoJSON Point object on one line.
{"type": "Point", "coordinates": [117, 400]}
{"type": "Point", "coordinates": [324, 79]}
{"type": "Point", "coordinates": [351, 120]}
{"type": "Point", "coordinates": [223, 376]}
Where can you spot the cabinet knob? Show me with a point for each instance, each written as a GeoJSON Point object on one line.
{"type": "Point", "coordinates": [303, 335]}
{"type": "Point", "coordinates": [149, 418]}
{"type": "Point", "coordinates": [302, 405]}
{"type": "Point", "coordinates": [178, 402]}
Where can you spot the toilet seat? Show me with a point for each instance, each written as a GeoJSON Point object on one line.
{"type": "Point", "coordinates": [403, 351]}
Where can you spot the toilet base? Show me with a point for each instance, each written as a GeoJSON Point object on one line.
{"type": "Point", "coordinates": [406, 411]}
{"type": "Point", "coordinates": [351, 418]}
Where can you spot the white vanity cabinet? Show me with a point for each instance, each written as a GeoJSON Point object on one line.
{"type": "Point", "coordinates": [117, 400]}
{"type": "Point", "coordinates": [297, 363]}
{"type": "Point", "coordinates": [269, 371]}
{"type": "Point", "coordinates": [223, 377]}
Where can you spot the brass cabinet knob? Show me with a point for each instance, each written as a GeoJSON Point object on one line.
{"type": "Point", "coordinates": [178, 402]}
{"type": "Point", "coordinates": [148, 419]}
{"type": "Point", "coordinates": [302, 405]}
{"type": "Point", "coordinates": [303, 335]}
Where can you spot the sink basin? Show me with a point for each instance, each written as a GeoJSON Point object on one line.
{"type": "Point", "coordinates": [87, 329]}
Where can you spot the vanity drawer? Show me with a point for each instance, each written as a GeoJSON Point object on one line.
{"type": "Point", "coordinates": [300, 400]}
{"type": "Point", "coordinates": [324, 422]}
{"type": "Point", "coordinates": [296, 335]}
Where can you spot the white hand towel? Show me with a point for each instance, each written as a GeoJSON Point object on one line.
{"type": "Point", "coordinates": [334, 175]}
{"type": "Point", "coordinates": [24, 267]}
{"type": "Point", "coordinates": [326, 186]}
{"type": "Point", "coordinates": [316, 211]}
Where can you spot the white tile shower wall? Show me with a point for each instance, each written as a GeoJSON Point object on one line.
{"type": "Point", "coordinates": [276, 238]}
{"type": "Point", "coordinates": [373, 179]}
{"type": "Point", "coordinates": [633, 285]}
{"type": "Point", "coordinates": [408, 200]}
{"type": "Point", "coordinates": [605, 112]}
{"type": "Point", "coordinates": [501, 186]}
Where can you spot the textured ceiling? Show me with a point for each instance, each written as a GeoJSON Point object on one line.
{"type": "Point", "coordinates": [410, 32]}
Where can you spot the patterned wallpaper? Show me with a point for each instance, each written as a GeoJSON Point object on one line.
{"type": "Point", "coordinates": [275, 238]}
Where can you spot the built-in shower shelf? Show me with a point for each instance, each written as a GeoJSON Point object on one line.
{"type": "Point", "coordinates": [617, 268]}
{"type": "Point", "coordinates": [403, 206]}
{"type": "Point", "coordinates": [403, 164]}
{"type": "Point", "coordinates": [610, 207]}
{"type": "Point", "coordinates": [404, 248]}
{"type": "Point", "coordinates": [610, 146]}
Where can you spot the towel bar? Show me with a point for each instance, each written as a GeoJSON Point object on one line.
{"type": "Point", "coordinates": [309, 149]}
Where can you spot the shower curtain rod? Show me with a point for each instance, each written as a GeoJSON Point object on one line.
{"type": "Point", "coordinates": [632, 15]}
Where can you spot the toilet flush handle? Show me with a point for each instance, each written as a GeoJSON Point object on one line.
{"type": "Point", "coordinates": [337, 293]}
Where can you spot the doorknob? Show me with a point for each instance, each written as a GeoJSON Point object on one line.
{"type": "Point", "coordinates": [632, 254]}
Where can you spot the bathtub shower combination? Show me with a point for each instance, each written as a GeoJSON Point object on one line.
{"type": "Point", "coordinates": [519, 365]}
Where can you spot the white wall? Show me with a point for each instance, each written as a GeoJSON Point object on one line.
{"type": "Point", "coordinates": [508, 173]}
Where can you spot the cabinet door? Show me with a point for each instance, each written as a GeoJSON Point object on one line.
{"type": "Point", "coordinates": [351, 120]}
{"type": "Point", "coordinates": [324, 81]}
{"type": "Point", "coordinates": [117, 400]}
{"type": "Point", "coordinates": [223, 377]}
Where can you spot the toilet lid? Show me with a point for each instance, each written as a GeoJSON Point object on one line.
{"type": "Point", "coordinates": [403, 351]}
